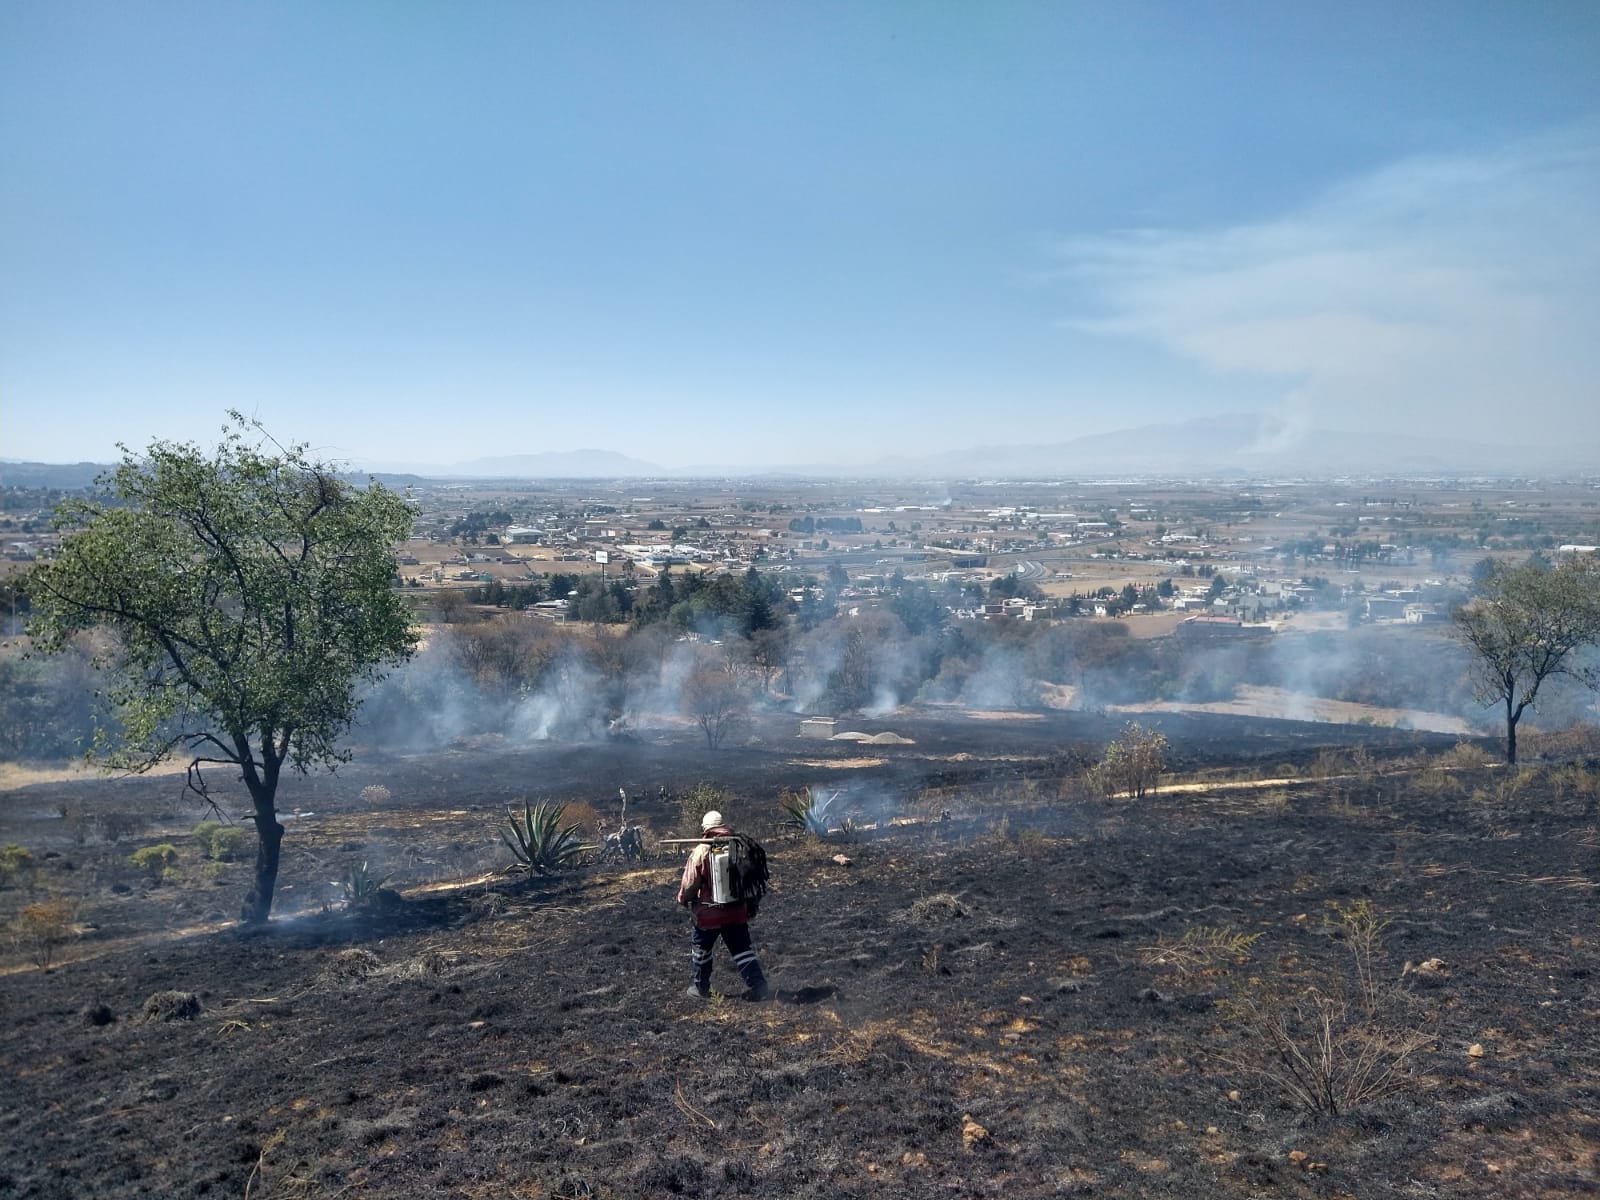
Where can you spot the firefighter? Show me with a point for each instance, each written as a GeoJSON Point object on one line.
{"type": "Point", "coordinates": [730, 921]}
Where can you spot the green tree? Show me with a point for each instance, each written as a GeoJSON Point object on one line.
{"type": "Point", "coordinates": [249, 594]}
{"type": "Point", "coordinates": [919, 609]}
{"type": "Point", "coordinates": [1528, 624]}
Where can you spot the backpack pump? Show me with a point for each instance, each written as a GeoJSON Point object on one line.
{"type": "Point", "coordinates": [738, 871]}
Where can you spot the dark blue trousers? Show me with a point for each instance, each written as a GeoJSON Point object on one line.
{"type": "Point", "coordinates": [737, 939]}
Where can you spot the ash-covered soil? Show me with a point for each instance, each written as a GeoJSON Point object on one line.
{"type": "Point", "coordinates": [1039, 994]}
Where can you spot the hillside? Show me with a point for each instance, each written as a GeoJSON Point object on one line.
{"type": "Point", "coordinates": [1014, 989]}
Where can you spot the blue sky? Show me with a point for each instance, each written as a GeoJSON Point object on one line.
{"type": "Point", "coordinates": [761, 233]}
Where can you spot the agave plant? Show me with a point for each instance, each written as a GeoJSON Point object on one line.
{"type": "Point", "coordinates": [362, 888]}
{"type": "Point", "coordinates": [808, 810]}
{"type": "Point", "coordinates": [541, 840]}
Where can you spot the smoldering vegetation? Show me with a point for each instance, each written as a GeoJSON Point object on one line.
{"type": "Point", "coordinates": [527, 678]}
{"type": "Point", "coordinates": [523, 677]}
{"type": "Point", "coordinates": [50, 707]}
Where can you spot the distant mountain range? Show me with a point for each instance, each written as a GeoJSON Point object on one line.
{"type": "Point", "coordinates": [1238, 445]}
{"type": "Point", "coordinates": [550, 464]}
{"type": "Point", "coordinates": [1245, 445]}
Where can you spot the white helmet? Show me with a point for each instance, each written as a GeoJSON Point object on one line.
{"type": "Point", "coordinates": [710, 821]}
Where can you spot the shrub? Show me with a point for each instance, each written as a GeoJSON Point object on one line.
{"type": "Point", "coordinates": [699, 800]}
{"type": "Point", "coordinates": [375, 795]}
{"type": "Point", "coordinates": [1339, 1043]}
{"type": "Point", "coordinates": [584, 817]}
{"type": "Point", "coordinates": [41, 927]}
{"type": "Point", "coordinates": [224, 843]}
{"type": "Point", "coordinates": [542, 840]}
{"type": "Point", "coordinates": [16, 861]}
{"type": "Point", "coordinates": [232, 843]}
{"type": "Point", "coordinates": [1464, 756]}
{"type": "Point", "coordinates": [154, 860]}
{"type": "Point", "coordinates": [1134, 763]}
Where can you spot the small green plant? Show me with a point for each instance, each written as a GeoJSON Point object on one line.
{"type": "Point", "coordinates": [41, 928]}
{"type": "Point", "coordinates": [541, 838]}
{"type": "Point", "coordinates": [809, 810]}
{"type": "Point", "coordinates": [154, 860]}
{"type": "Point", "coordinates": [362, 889]}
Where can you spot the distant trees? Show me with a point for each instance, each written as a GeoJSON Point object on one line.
{"type": "Point", "coordinates": [1528, 624]}
{"type": "Point", "coordinates": [475, 524]}
{"type": "Point", "coordinates": [825, 524]}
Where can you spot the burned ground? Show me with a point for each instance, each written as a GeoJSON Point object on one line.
{"type": "Point", "coordinates": [1010, 1000]}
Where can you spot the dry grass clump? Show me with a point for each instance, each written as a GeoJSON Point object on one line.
{"type": "Point", "coordinates": [1509, 788]}
{"type": "Point", "coordinates": [172, 1006]}
{"type": "Point", "coordinates": [938, 909]}
{"type": "Point", "coordinates": [1438, 782]}
{"type": "Point", "coordinates": [351, 964]}
{"type": "Point", "coordinates": [428, 965]}
{"type": "Point", "coordinates": [1578, 782]}
{"type": "Point", "coordinates": [585, 818]}
{"type": "Point", "coordinates": [1465, 756]}
{"type": "Point", "coordinates": [1576, 741]}
{"type": "Point", "coordinates": [356, 964]}
{"type": "Point", "coordinates": [1203, 949]}
{"type": "Point", "coordinates": [375, 795]}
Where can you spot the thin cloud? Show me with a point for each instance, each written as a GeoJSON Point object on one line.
{"type": "Point", "coordinates": [1436, 293]}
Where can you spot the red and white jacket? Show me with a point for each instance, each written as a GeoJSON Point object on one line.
{"type": "Point", "coordinates": [696, 883]}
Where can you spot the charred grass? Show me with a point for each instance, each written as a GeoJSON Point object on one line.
{"type": "Point", "coordinates": [1025, 992]}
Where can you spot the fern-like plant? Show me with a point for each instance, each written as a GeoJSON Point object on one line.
{"type": "Point", "coordinates": [542, 840]}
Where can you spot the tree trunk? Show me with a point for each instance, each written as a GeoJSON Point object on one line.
{"type": "Point", "coordinates": [269, 833]}
{"type": "Point", "coordinates": [1511, 733]}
